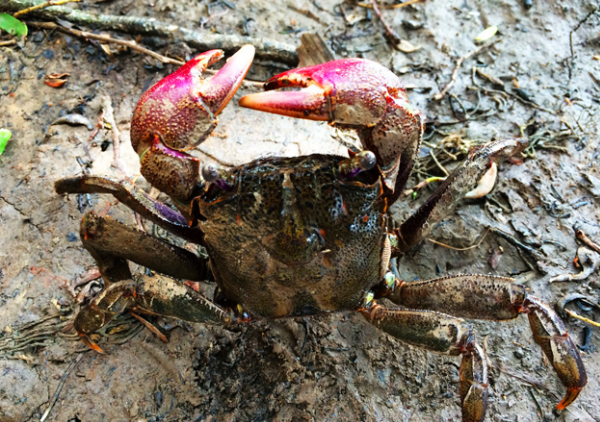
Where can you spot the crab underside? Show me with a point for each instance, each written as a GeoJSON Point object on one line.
{"type": "Point", "coordinates": [305, 235]}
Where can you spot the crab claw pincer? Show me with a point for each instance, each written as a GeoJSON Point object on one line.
{"type": "Point", "coordinates": [178, 113]}
{"type": "Point", "coordinates": [352, 93]}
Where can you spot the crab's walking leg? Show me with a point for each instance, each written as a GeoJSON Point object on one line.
{"type": "Point", "coordinates": [112, 243]}
{"type": "Point", "coordinates": [155, 295]}
{"type": "Point", "coordinates": [136, 199]}
{"type": "Point", "coordinates": [166, 297]}
{"type": "Point", "coordinates": [442, 334]}
{"type": "Point", "coordinates": [497, 298]}
{"type": "Point", "coordinates": [443, 201]}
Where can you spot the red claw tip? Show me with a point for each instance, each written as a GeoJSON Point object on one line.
{"type": "Point", "coordinates": [570, 397]}
{"type": "Point", "coordinates": [90, 343]}
{"type": "Point", "coordinates": [348, 92]}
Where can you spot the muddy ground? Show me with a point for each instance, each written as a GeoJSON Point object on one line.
{"type": "Point", "coordinates": [328, 368]}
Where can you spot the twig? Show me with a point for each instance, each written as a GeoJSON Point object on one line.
{"type": "Point", "coordinates": [525, 378]}
{"type": "Point", "coordinates": [582, 318]}
{"type": "Point", "coordinates": [150, 327]}
{"type": "Point", "coordinates": [202, 40]}
{"type": "Point", "coordinates": [461, 249]}
{"type": "Point", "coordinates": [134, 46]}
{"type": "Point", "coordinates": [8, 42]}
{"type": "Point", "coordinates": [440, 95]}
{"type": "Point", "coordinates": [390, 6]}
{"type": "Point", "coordinates": [588, 242]}
{"type": "Point", "coordinates": [106, 38]}
{"type": "Point", "coordinates": [521, 247]}
{"type": "Point", "coordinates": [306, 12]}
{"type": "Point", "coordinates": [390, 33]}
{"type": "Point", "coordinates": [109, 116]}
{"type": "Point", "coordinates": [581, 22]}
{"type": "Point", "coordinates": [535, 400]}
{"type": "Point", "coordinates": [61, 384]}
{"type": "Point", "coordinates": [42, 5]}
{"type": "Point", "coordinates": [216, 159]}
{"type": "Point", "coordinates": [441, 167]}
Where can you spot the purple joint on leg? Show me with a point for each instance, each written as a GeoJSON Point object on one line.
{"type": "Point", "coordinates": [223, 185]}
{"type": "Point", "coordinates": [170, 214]}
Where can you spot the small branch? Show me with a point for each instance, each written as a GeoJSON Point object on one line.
{"type": "Point", "coordinates": [582, 318]}
{"type": "Point", "coordinates": [42, 5]}
{"type": "Point", "coordinates": [517, 243]}
{"type": "Point", "coordinates": [440, 166]}
{"type": "Point", "coordinates": [581, 22]}
{"type": "Point", "coordinates": [461, 249]}
{"type": "Point", "coordinates": [440, 95]}
{"type": "Point", "coordinates": [131, 44]}
{"type": "Point", "coordinates": [106, 38]}
{"type": "Point", "coordinates": [61, 384]}
{"type": "Point", "coordinates": [391, 6]}
{"type": "Point", "coordinates": [109, 116]}
{"type": "Point", "coordinates": [8, 42]}
{"type": "Point", "coordinates": [390, 33]}
{"type": "Point", "coordinates": [201, 40]}
{"type": "Point", "coordinates": [587, 241]}
{"type": "Point", "coordinates": [525, 378]}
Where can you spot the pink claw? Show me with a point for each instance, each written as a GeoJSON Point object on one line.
{"type": "Point", "coordinates": [352, 93]}
{"type": "Point", "coordinates": [181, 108]}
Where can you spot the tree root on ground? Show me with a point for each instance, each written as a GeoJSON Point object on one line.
{"type": "Point", "coordinates": [201, 40]}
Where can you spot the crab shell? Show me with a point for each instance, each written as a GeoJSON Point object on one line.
{"type": "Point", "coordinates": [295, 236]}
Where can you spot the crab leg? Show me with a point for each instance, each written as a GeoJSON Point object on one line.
{"type": "Point", "coordinates": [445, 199]}
{"type": "Point", "coordinates": [112, 243]}
{"type": "Point", "coordinates": [497, 298]}
{"type": "Point", "coordinates": [178, 113]}
{"type": "Point", "coordinates": [442, 334]}
{"type": "Point", "coordinates": [156, 295]}
{"type": "Point", "coordinates": [356, 94]}
{"type": "Point", "coordinates": [137, 200]}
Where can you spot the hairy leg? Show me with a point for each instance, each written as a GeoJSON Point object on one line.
{"type": "Point", "coordinates": [443, 201]}
{"type": "Point", "coordinates": [112, 243]}
{"type": "Point", "coordinates": [498, 298]}
{"type": "Point", "coordinates": [442, 334]}
{"type": "Point", "coordinates": [136, 199]}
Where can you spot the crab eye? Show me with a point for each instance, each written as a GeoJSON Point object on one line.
{"type": "Point", "coordinates": [352, 167]}
{"type": "Point", "coordinates": [223, 179]}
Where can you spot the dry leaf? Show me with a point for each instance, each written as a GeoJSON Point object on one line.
{"type": "Point", "coordinates": [407, 47]}
{"type": "Point", "coordinates": [486, 34]}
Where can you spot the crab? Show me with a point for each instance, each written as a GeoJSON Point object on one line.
{"type": "Point", "coordinates": [290, 237]}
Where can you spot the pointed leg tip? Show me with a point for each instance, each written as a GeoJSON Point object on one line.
{"type": "Point", "coordinates": [569, 398]}
{"type": "Point", "coordinates": [91, 344]}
